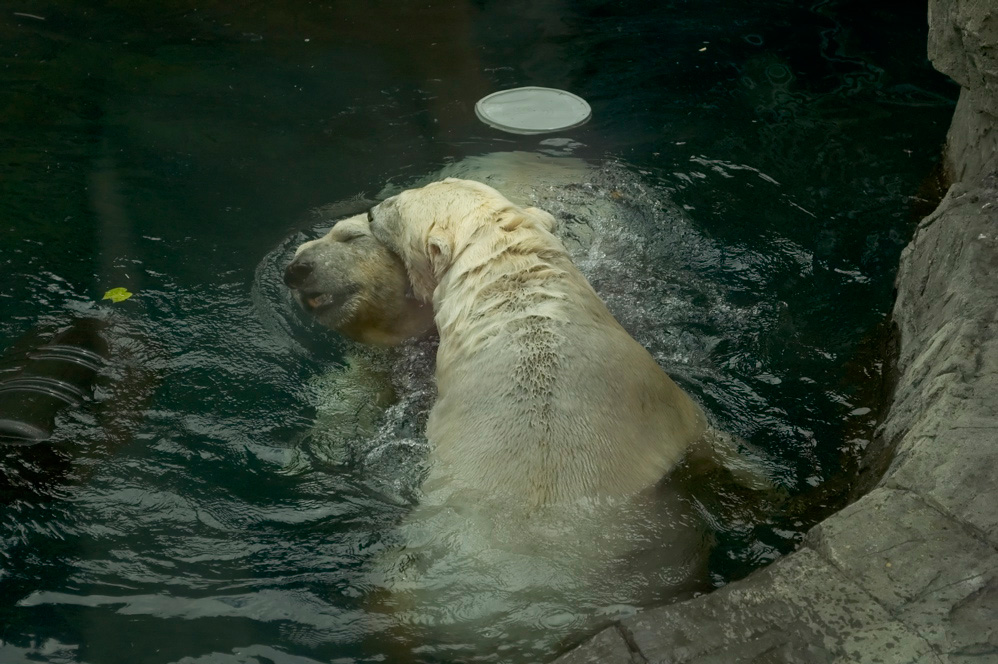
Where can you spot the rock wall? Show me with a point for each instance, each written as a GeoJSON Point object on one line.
{"type": "Point", "coordinates": [908, 572]}
{"type": "Point", "coordinates": [963, 44]}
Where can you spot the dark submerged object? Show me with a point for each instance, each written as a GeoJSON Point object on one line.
{"type": "Point", "coordinates": [57, 374]}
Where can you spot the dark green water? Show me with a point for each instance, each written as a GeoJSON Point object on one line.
{"type": "Point", "coordinates": [170, 147]}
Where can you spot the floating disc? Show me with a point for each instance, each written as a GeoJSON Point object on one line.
{"type": "Point", "coordinates": [533, 110]}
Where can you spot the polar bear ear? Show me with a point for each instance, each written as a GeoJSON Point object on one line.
{"type": "Point", "coordinates": [545, 219]}
{"type": "Point", "coordinates": [438, 253]}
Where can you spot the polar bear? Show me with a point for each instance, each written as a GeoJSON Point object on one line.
{"type": "Point", "coordinates": [542, 511]}
{"type": "Point", "coordinates": [542, 396]}
{"type": "Point", "coordinates": [513, 542]}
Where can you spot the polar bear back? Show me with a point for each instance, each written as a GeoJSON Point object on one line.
{"type": "Point", "coordinates": [543, 397]}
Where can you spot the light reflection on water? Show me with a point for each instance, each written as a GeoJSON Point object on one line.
{"type": "Point", "coordinates": [759, 191]}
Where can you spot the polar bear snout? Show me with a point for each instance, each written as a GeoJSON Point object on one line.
{"type": "Point", "coordinates": [297, 272]}
{"type": "Point", "coordinates": [325, 293]}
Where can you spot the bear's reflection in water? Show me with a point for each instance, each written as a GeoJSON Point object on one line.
{"type": "Point", "coordinates": [471, 574]}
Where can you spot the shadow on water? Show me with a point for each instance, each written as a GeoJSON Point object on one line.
{"type": "Point", "coordinates": [767, 155]}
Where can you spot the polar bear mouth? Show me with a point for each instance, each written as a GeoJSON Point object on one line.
{"type": "Point", "coordinates": [327, 303]}
{"type": "Point", "coordinates": [316, 302]}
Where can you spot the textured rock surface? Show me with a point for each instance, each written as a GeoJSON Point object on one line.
{"type": "Point", "coordinates": [909, 572]}
{"type": "Point", "coordinates": [947, 304]}
{"type": "Point", "coordinates": [963, 44]}
{"type": "Point", "coordinates": [803, 609]}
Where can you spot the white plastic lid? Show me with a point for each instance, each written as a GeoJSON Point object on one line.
{"type": "Point", "coordinates": [533, 110]}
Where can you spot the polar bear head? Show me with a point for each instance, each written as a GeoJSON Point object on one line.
{"type": "Point", "coordinates": [353, 284]}
{"type": "Point", "coordinates": [431, 227]}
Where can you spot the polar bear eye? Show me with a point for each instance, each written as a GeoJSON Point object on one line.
{"type": "Point", "coordinates": [350, 237]}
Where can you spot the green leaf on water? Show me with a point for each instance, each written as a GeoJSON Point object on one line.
{"type": "Point", "coordinates": [117, 294]}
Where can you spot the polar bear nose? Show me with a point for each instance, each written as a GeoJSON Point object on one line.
{"type": "Point", "coordinates": [296, 273]}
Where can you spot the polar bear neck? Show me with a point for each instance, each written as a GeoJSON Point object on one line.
{"type": "Point", "coordinates": [499, 277]}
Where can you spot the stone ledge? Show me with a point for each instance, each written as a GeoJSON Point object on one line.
{"type": "Point", "coordinates": [801, 607]}
{"type": "Point", "coordinates": [944, 410]}
{"type": "Point", "coordinates": [916, 561]}
{"type": "Point", "coordinates": [963, 44]}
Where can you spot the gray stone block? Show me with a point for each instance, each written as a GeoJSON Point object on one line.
{"type": "Point", "coordinates": [957, 470]}
{"type": "Point", "coordinates": [916, 561]}
{"type": "Point", "coordinates": [801, 608]}
{"type": "Point", "coordinates": [947, 296]}
{"type": "Point", "coordinates": [972, 624]}
{"type": "Point", "coordinates": [946, 279]}
{"type": "Point", "coordinates": [770, 648]}
{"type": "Point", "coordinates": [972, 137]}
{"type": "Point", "coordinates": [944, 411]}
